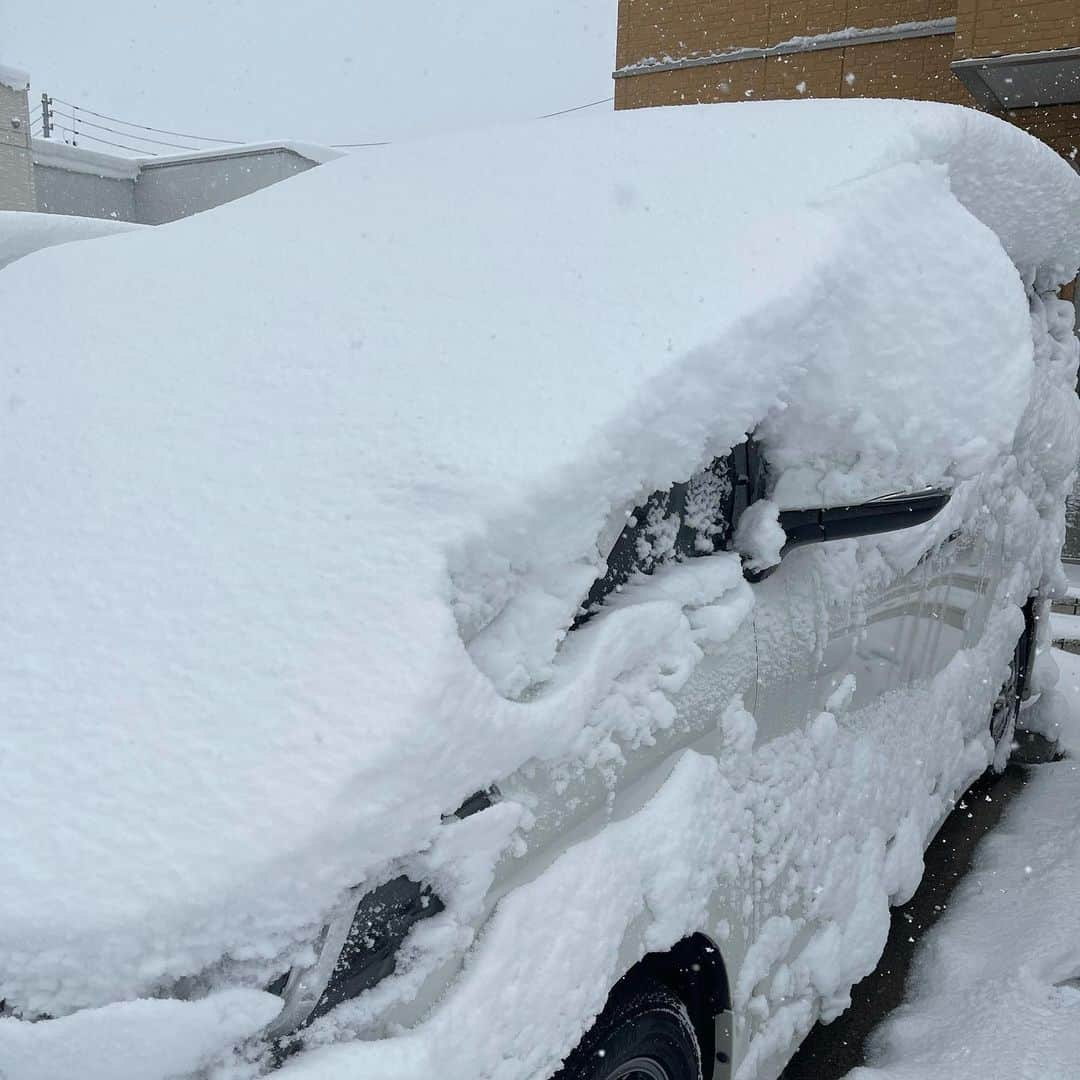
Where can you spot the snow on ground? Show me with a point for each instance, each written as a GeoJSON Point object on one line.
{"type": "Point", "coordinates": [22, 232]}
{"type": "Point", "coordinates": [995, 990]}
{"type": "Point", "coordinates": [1072, 575]}
{"type": "Point", "coordinates": [1065, 627]}
{"type": "Point", "coordinates": [332, 471]}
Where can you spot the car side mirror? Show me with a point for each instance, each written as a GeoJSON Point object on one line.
{"type": "Point", "coordinates": [888, 513]}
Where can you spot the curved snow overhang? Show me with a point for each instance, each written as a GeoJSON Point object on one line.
{"type": "Point", "coordinates": [1016, 185]}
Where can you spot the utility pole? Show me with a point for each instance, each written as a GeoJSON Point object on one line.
{"type": "Point", "coordinates": [46, 116]}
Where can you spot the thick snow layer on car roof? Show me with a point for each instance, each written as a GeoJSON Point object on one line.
{"type": "Point", "coordinates": [301, 494]}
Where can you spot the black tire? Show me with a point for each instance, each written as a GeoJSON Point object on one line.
{"type": "Point", "coordinates": [645, 1033]}
{"type": "Point", "coordinates": [1007, 704]}
{"type": "Point", "coordinates": [1006, 710]}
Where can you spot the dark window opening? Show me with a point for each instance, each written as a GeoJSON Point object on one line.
{"type": "Point", "coordinates": [687, 521]}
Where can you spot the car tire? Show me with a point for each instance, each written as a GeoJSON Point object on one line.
{"type": "Point", "coordinates": [1006, 706]}
{"type": "Point", "coordinates": [645, 1033]}
{"type": "Point", "coordinates": [1006, 709]}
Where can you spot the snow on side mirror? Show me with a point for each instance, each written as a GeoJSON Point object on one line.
{"type": "Point", "coordinates": [888, 513]}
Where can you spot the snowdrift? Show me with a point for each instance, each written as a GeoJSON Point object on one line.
{"type": "Point", "coordinates": [22, 232]}
{"type": "Point", "coordinates": [302, 497]}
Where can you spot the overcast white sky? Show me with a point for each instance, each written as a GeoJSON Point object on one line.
{"type": "Point", "coordinates": [317, 70]}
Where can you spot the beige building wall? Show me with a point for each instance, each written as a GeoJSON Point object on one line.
{"type": "Point", "coordinates": [914, 68]}
{"type": "Point", "coordinates": [989, 27]}
{"type": "Point", "coordinates": [658, 29]}
{"type": "Point", "coordinates": [662, 31]}
{"type": "Point", "coordinates": [16, 164]}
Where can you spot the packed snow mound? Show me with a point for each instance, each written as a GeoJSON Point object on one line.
{"type": "Point", "coordinates": [22, 232]}
{"type": "Point", "coordinates": [302, 494]}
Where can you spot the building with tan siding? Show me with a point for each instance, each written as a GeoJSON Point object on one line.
{"type": "Point", "coordinates": [1018, 58]}
{"type": "Point", "coordinates": [16, 165]}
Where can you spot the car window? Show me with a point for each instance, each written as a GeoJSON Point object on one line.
{"type": "Point", "coordinates": [686, 521]}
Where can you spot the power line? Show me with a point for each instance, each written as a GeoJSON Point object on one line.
{"type": "Point", "coordinates": [79, 120]}
{"type": "Point", "coordinates": [126, 134]}
{"type": "Point", "coordinates": [146, 127]}
{"type": "Point", "coordinates": [545, 116]}
{"type": "Point", "coordinates": [576, 108]}
{"type": "Point", "coordinates": [122, 146]}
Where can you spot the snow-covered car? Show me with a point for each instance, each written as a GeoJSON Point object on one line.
{"type": "Point", "coordinates": [520, 603]}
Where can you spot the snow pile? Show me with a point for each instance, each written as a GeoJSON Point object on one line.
{"type": "Point", "coordinates": [22, 232]}
{"type": "Point", "coordinates": [300, 508]}
{"type": "Point", "coordinates": [996, 988]}
{"type": "Point", "coordinates": [1063, 725]}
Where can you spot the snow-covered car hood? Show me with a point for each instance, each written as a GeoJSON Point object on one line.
{"type": "Point", "coordinates": [302, 494]}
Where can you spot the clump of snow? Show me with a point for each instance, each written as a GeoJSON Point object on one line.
{"type": "Point", "coordinates": [759, 537]}
{"type": "Point", "coordinates": [1056, 714]}
{"type": "Point", "coordinates": [300, 508]}
{"type": "Point", "coordinates": [22, 232]}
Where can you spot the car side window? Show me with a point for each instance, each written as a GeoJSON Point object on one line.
{"type": "Point", "coordinates": [688, 520]}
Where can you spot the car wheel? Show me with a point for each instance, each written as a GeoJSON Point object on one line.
{"type": "Point", "coordinates": [1006, 708]}
{"type": "Point", "coordinates": [645, 1033]}
{"type": "Point", "coordinates": [1006, 705]}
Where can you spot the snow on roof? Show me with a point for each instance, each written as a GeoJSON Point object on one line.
{"type": "Point", "coordinates": [301, 493]}
{"type": "Point", "coordinates": [318, 154]}
{"type": "Point", "coordinates": [58, 155]}
{"type": "Point", "coordinates": [14, 77]}
{"type": "Point", "coordinates": [79, 159]}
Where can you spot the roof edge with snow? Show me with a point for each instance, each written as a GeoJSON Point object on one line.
{"type": "Point", "coordinates": [14, 77]}
{"type": "Point", "coordinates": [78, 159]}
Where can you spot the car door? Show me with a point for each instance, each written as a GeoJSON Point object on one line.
{"type": "Point", "coordinates": [848, 635]}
